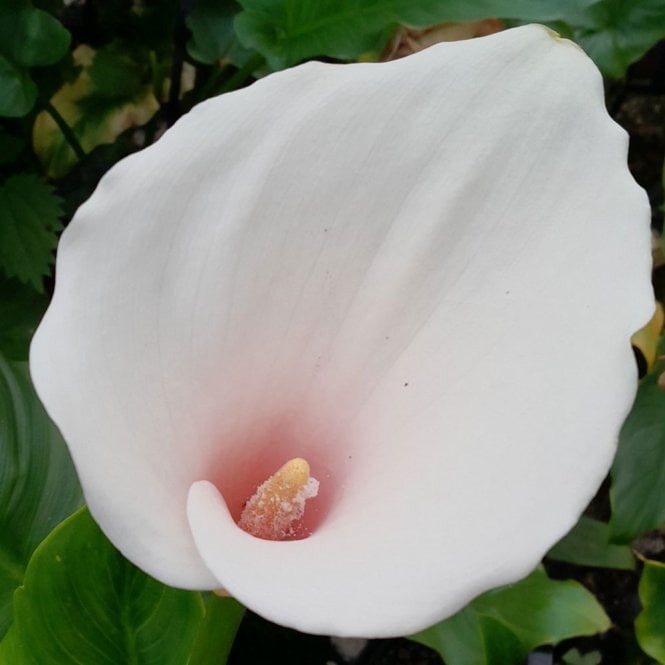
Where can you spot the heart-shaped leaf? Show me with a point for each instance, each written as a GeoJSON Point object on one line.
{"type": "Point", "coordinates": [83, 602]}
{"type": "Point", "coordinates": [502, 626]}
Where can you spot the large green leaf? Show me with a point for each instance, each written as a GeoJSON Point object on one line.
{"type": "Point", "coordinates": [619, 32]}
{"type": "Point", "coordinates": [288, 31]}
{"type": "Point", "coordinates": [423, 13]}
{"type": "Point", "coordinates": [503, 625]}
{"type": "Point", "coordinates": [587, 544]}
{"type": "Point", "coordinates": [29, 225]}
{"type": "Point", "coordinates": [468, 638]}
{"type": "Point", "coordinates": [650, 624]}
{"type": "Point", "coordinates": [638, 471]}
{"type": "Point", "coordinates": [615, 33]}
{"type": "Point", "coordinates": [38, 484]}
{"type": "Point", "coordinates": [83, 602]}
{"type": "Point", "coordinates": [544, 611]}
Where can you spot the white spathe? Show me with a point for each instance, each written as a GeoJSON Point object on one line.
{"type": "Point", "coordinates": [422, 277]}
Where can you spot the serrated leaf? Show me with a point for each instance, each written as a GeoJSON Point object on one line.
{"type": "Point", "coordinates": [91, 110]}
{"type": "Point", "coordinates": [588, 544]}
{"type": "Point", "coordinates": [530, 613]}
{"type": "Point", "coordinates": [29, 36]}
{"type": "Point", "coordinates": [288, 31]}
{"type": "Point", "coordinates": [650, 624]}
{"type": "Point", "coordinates": [83, 602]}
{"type": "Point", "coordinates": [38, 484]}
{"type": "Point", "coordinates": [29, 225]}
{"type": "Point", "coordinates": [18, 91]}
{"type": "Point", "coordinates": [638, 470]}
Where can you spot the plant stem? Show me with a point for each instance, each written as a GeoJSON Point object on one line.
{"type": "Point", "coordinates": [66, 130]}
{"type": "Point", "coordinates": [180, 36]}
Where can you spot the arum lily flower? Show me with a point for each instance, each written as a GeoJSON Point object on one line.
{"type": "Point", "coordinates": [397, 298]}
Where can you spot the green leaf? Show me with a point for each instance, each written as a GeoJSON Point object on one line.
{"type": "Point", "coordinates": [620, 32]}
{"type": "Point", "coordinates": [30, 36]}
{"type": "Point", "coordinates": [574, 657]}
{"type": "Point", "coordinates": [587, 544]}
{"type": "Point", "coordinates": [115, 74]}
{"type": "Point", "coordinates": [638, 471]}
{"type": "Point", "coordinates": [467, 638]}
{"type": "Point", "coordinates": [288, 31]}
{"type": "Point", "coordinates": [21, 308]}
{"type": "Point", "coordinates": [38, 484]}
{"type": "Point", "coordinates": [501, 626]}
{"type": "Point", "coordinates": [544, 611]}
{"type": "Point", "coordinates": [650, 624]}
{"type": "Point", "coordinates": [83, 602]}
{"type": "Point", "coordinates": [29, 225]}
{"type": "Point", "coordinates": [213, 34]}
{"type": "Point", "coordinates": [424, 13]}
{"type": "Point", "coordinates": [18, 90]}
{"type": "Point", "coordinates": [218, 630]}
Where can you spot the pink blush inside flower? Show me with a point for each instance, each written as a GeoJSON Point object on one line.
{"type": "Point", "coordinates": [275, 511]}
{"type": "Point", "coordinates": [240, 478]}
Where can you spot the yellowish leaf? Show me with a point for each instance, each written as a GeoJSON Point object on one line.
{"type": "Point", "coordinates": [95, 119]}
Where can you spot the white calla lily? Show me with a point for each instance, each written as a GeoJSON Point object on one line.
{"type": "Point", "coordinates": [421, 277]}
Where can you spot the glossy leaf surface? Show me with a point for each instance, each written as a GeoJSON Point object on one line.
{"type": "Point", "coordinates": [638, 471]}
{"type": "Point", "coordinates": [38, 485]}
{"type": "Point", "coordinates": [501, 626]}
{"type": "Point", "coordinates": [83, 602]}
{"type": "Point", "coordinates": [217, 632]}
